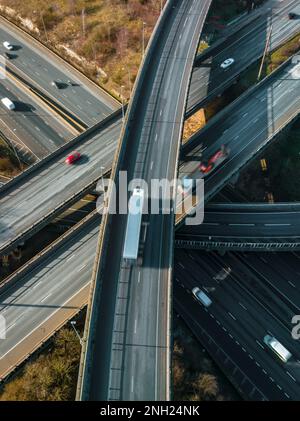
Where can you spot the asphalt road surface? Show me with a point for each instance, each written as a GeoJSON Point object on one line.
{"type": "Point", "coordinates": [82, 98]}
{"type": "Point", "coordinates": [251, 294]}
{"type": "Point", "coordinates": [250, 300]}
{"type": "Point", "coordinates": [245, 47]}
{"type": "Point", "coordinates": [31, 124]}
{"type": "Point", "coordinates": [50, 186]}
{"type": "Point", "coordinates": [43, 291]}
{"type": "Point", "coordinates": [54, 189]}
{"type": "Point", "coordinates": [244, 127]}
{"type": "Point", "coordinates": [250, 222]}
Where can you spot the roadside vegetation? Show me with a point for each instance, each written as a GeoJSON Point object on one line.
{"type": "Point", "coordinates": [9, 164]}
{"type": "Point", "coordinates": [193, 124]}
{"type": "Point", "coordinates": [195, 376]}
{"type": "Point", "coordinates": [276, 58]}
{"type": "Point", "coordinates": [52, 376]}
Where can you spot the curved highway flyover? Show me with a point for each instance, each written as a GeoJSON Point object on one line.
{"type": "Point", "coordinates": [126, 351]}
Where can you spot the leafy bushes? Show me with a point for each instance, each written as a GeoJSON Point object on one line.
{"type": "Point", "coordinates": [51, 377]}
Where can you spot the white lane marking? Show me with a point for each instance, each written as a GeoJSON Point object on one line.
{"type": "Point", "coordinates": [45, 298]}
{"type": "Point", "coordinates": [291, 283]}
{"type": "Point", "coordinates": [81, 267]}
{"type": "Point", "coordinates": [292, 377]}
{"type": "Point", "coordinates": [258, 343]}
{"type": "Point", "coordinates": [277, 225]}
{"type": "Point", "coordinates": [231, 315]}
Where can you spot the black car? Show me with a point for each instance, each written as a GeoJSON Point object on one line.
{"type": "Point", "coordinates": [292, 15]}
{"type": "Point", "coordinates": [7, 55]}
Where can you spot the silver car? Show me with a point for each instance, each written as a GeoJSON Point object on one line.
{"type": "Point", "coordinates": [226, 63]}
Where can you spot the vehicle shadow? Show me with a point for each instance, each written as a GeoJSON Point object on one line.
{"type": "Point", "coordinates": [82, 160]}
{"type": "Point", "coordinates": [16, 47]}
{"type": "Point", "coordinates": [61, 85]}
{"type": "Point", "coordinates": [65, 85]}
{"type": "Point", "coordinates": [11, 56]}
{"type": "Point", "coordinates": [23, 107]}
{"type": "Point", "coordinates": [74, 84]}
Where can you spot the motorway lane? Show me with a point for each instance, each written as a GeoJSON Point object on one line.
{"type": "Point", "coordinates": [209, 79]}
{"type": "Point", "coordinates": [221, 129]}
{"type": "Point", "coordinates": [89, 103]}
{"type": "Point", "coordinates": [41, 292]}
{"type": "Point", "coordinates": [245, 127]}
{"type": "Point", "coordinates": [236, 363]}
{"type": "Point", "coordinates": [244, 314]}
{"type": "Point", "coordinates": [137, 344]}
{"type": "Point", "coordinates": [274, 273]}
{"type": "Point", "coordinates": [244, 225]}
{"type": "Point", "coordinates": [33, 124]}
{"type": "Point", "coordinates": [50, 186]}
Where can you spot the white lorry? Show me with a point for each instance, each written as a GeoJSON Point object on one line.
{"type": "Point", "coordinates": [277, 348]}
{"type": "Point", "coordinates": [134, 222]}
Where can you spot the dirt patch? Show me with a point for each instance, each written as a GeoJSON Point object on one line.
{"type": "Point", "coordinates": [195, 375]}
{"type": "Point", "coordinates": [193, 124]}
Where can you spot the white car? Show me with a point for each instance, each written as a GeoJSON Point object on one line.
{"type": "Point", "coordinates": [201, 296]}
{"type": "Point", "coordinates": [7, 45]}
{"type": "Point", "coordinates": [228, 62]}
{"type": "Point", "coordinates": [8, 103]}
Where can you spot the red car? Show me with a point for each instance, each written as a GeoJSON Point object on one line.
{"type": "Point", "coordinates": [217, 158]}
{"type": "Point", "coordinates": [72, 158]}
